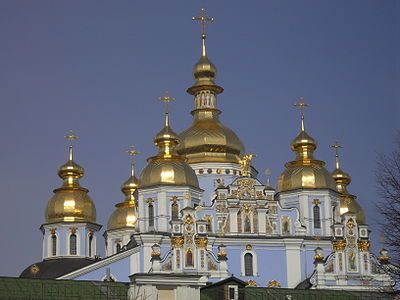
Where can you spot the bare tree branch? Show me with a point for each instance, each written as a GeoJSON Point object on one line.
{"type": "Point", "coordinates": [387, 175]}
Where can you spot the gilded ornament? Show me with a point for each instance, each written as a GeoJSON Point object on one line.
{"type": "Point", "coordinates": [316, 202]}
{"type": "Point", "coordinates": [177, 241]}
{"type": "Point", "coordinates": [364, 246]}
{"type": "Point", "coordinates": [339, 245]}
{"type": "Point", "coordinates": [251, 283]}
{"type": "Point", "coordinates": [155, 254]}
{"type": "Point", "coordinates": [34, 269]}
{"type": "Point", "coordinates": [249, 247]}
{"type": "Point", "coordinates": [201, 242]}
{"type": "Point", "coordinates": [273, 284]}
{"type": "Point", "coordinates": [245, 164]}
{"type": "Point", "coordinates": [188, 219]}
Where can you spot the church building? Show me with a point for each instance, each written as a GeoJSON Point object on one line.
{"type": "Point", "coordinates": [197, 214]}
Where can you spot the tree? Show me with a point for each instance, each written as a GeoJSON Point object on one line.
{"type": "Point", "coordinates": [388, 180]}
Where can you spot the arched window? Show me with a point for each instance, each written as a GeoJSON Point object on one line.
{"type": "Point", "coordinates": [54, 245]}
{"type": "Point", "coordinates": [72, 244]}
{"type": "Point", "coordinates": [175, 211]}
{"type": "Point", "coordinates": [248, 264]}
{"type": "Point", "coordinates": [90, 244]}
{"type": "Point", "coordinates": [118, 247]}
{"type": "Point", "coordinates": [317, 216]}
{"type": "Point", "coordinates": [189, 258]}
{"type": "Point", "coordinates": [239, 221]}
{"type": "Point", "coordinates": [247, 224]}
{"type": "Point", "coordinates": [151, 215]}
{"type": "Point", "coordinates": [209, 224]}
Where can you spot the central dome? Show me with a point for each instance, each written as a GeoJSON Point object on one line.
{"type": "Point", "coordinates": [208, 140]}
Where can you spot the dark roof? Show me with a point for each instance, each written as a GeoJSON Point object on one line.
{"type": "Point", "coordinates": [56, 267]}
{"type": "Point", "coordinates": [23, 288]}
{"type": "Point", "coordinates": [226, 280]}
{"type": "Point", "coordinates": [304, 285]}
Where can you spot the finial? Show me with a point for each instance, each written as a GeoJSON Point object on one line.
{"type": "Point", "coordinates": [132, 152]}
{"type": "Point", "coordinates": [336, 146]}
{"type": "Point", "coordinates": [71, 137]}
{"type": "Point", "coordinates": [203, 18]}
{"type": "Point", "coordinates": [301, 105]}
{"type": "Point", "coordinates": [166, 99]}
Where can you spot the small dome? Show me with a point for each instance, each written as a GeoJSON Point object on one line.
{"type": "Point", "coordinates": [168, 172]}
{"type": "Point", "coordinates": [342, 180]}
{"type": "Point", "coordinates": [70, 202]}
{"type": "Point", "coordinates": [123, 216]}
{"type": "Point", "coordinates": [304, 172]}
{"type": "Point", "coordinates": [349, 203]}
{"type": "Point", "coordinates": [204, 71]}
{"type": "Point", "coordinates": [312, 176]}
{"type": "Point", "coordinates": [167, 167]}
{"type": "Point", "coordinates": [70, 205]}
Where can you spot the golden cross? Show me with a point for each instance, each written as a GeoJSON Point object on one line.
{"type": "Point", "coordinates": [301, 105]}
{"type": "Point", "coordinates": [71, 137]}
{"type": "Point", "coordinates": [132, 152]}
{"type": "Point", "coordinates": [336, 146]}
{"type": "Point", "coordinates": [166, 99]}
{"type": "Point", "coordinates": [203, 18]}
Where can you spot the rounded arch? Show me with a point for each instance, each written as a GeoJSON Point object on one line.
{"type": "Point", "coordinates": [246, 255]}
{"type": "Point", "coordinates": [73, 243]}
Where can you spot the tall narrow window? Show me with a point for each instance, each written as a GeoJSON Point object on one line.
{"type": "Point", "coordinates": [248, 264]}
{"type": "Point", "coordinates": [247, 224]}
{"type": "Point", "coordinates": [72, 244]}
{"type": "Point", "coordinates": [239, 221]}
{"type": "Point", "coordinates": [118, 248]}
{"type": "Point", "coordinates": [175, 211]}
{"type": "Point", "coordinates": [317, 217]}
{"type": "Point", "coordinates": [90, 244]}
{"type": "Point", "coordinates": [151, 215]}
{"type": "Point", "coordinates": [54, 245]}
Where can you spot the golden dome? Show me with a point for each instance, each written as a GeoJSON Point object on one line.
{"type": "Point", "coordinates": [125, 214]}
{"type": "Point", "coordinates": [207, 139]}
{"type": "Point", "coordinates": [305, 172]}
{"type": "Point", "coordinates": [302, 176]}
{"type": "Point", "coordinates": [348, 202]}
{"type": "Point", "coordinates": [70, 202]}
{"type": "Point", "coordinates": [167, 167]}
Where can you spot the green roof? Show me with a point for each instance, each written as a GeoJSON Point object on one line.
{"type": "Point", "coordinates": [49, 289]}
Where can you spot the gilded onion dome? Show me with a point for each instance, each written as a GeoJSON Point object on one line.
{"type": "Point", "coordinates": [125, 214]}
{"type": "Point", "coordinates": [304, 172]}
{"type": "Point", "coordinates": [70, 202]}
{"type": "Point", "coordinates": [348, 202]}
{"type": "Point", "coordinates": [167, 167]}
{"type": "Point", "coordinates": [207, 139]}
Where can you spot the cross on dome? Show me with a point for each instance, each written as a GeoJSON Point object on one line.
{"type": "Point", "coordinates": [132, 152]}
{"type": "Point", "coordinates": [203, 19]}
{"type": "Point", "coordinates": [337, 146]}
{"type": "Point", "coordinates": [301, 104]}
{"type": "Point", "coordinates": [70, 137]}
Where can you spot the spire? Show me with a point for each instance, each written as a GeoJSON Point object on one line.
{"type": "Point", "coordinates": [166, 140]}
{"type": "Point", "coordinates": [132, 152]}
{"type": "Point", "coordinates": [130, 186]}
{"type": "Point", "coordinates": [166, 99]}
{"type": "Point", "coordinates": [303, 144]}
{"type": "Point", "coordinates": [341, 178]}
{"type": "Point", "coordinates": [203, 19]}
{"type": "Point", "coordinates": [70, 172]}
{"type": "Point", "coordinates": [301, 105]}
{"type": "Point", "coordinates": [336, 146]}
{"type": "Point", "coordinates": [71, 137]}
{"type": "Point", "coordinates": [204, 70]}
